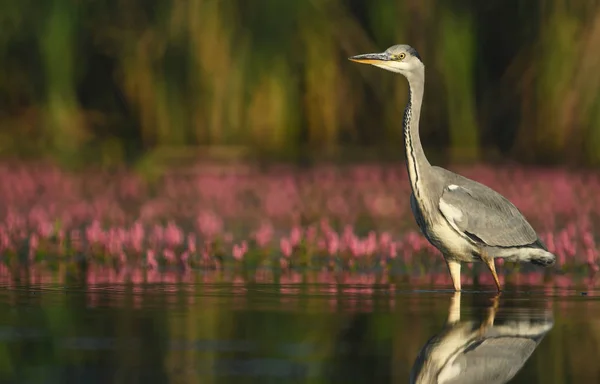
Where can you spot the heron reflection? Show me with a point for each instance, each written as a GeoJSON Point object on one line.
{"type": "Point", "coordinates": [480, 351]}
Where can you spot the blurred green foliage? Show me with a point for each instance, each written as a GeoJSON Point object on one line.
{"type": "Point", "coordinates": [109, 81]}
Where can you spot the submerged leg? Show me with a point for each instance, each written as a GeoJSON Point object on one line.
{"type": "Point", "coordinates": [489, 321]}
{"type": "Point", "coordinates": [454, 268]}
{"type": "Point", "coordinates": [454, 310]}
{"type": "Point", "coordinates": [493, 310]}
{"type": "Point", "coordinates": [490, 263]}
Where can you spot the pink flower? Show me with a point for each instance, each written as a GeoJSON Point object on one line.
{"type": "Point", "coordinates": [185, 257]}
{"type": "Point", "coordinates": [240, 250]}
{"type": "Point", "coordinates": [295, 236]}
{"type": "Point", "coordinates": [393, 250]}
{"type": "Point", "coordinates": [151, 259]}
{"type": "Point", "coordinates": [264, 234]}
{"type": "Point", "coordinates": [173, 235]}
{"type": "Point", "coordinates": [209, 224]}
{"type": "Point", "coordinates": [191, 242]}
{"type": "Point", "coordinates": [169, 255]}
{"type": "Point", "coordinates": [286, 246]}
{"type": "Point", "coordinates": [333, 245]}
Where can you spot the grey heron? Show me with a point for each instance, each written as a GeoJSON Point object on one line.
{"type": "Point", "coordinates": [491, 351]}
{"type": "Point", "coordinates": [465, 220]}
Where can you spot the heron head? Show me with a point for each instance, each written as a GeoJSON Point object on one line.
{"type": "Point", "coordinates": [401, 58]}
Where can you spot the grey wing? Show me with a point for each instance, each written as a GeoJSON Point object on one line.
{"type": "Point", "coordinates": [484, 215]}
{"type": "Point", "coordinates": [494, 360]}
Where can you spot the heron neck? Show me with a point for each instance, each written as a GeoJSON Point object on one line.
{"type": "Point", "coordinates": [416, 161]}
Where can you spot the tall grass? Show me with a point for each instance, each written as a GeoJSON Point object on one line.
{"type": "Point", "coordinates": [108, 81]}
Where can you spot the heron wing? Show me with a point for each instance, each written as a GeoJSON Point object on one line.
{"type": "Point", "coordinates": [494, 360]}
{"type": "Point", "coordinates": [485, 216]}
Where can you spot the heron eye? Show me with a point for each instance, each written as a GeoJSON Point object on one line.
{"type": "Point", "coordinates": [401, 56]}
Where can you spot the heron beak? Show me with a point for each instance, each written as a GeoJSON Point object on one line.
{"type": "Point", "coordinates": [371, 58]}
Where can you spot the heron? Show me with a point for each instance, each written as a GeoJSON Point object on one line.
{"type": "Point", "coordinates": [491, 351]}
{"type": "Point", "coordinates": [465, 220]}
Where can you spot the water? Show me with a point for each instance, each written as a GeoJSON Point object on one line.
{"type": "Point", "coordinates": [249, 332]}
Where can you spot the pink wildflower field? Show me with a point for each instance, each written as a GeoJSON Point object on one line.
{"type": "Point", "coordinates": [323, 218]}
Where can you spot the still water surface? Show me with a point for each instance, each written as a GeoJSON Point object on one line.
{"type": "Point", "coordinates": [241, 332]}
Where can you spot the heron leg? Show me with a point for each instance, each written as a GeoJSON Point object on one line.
{"type": "Point", "coordinates": [493, 310]}
{"type": "Point", "coordinates": [454, 310]}
{"type": "Point", "coordinates": [489, 321]}
{"type": "Point", "coordinates": [490, 264]}
{"type": "Point", "coordinates": [454, 268]}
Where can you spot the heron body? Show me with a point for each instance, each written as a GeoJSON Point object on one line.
{"type": "Point", "coordinates": [480, 352]}
{"type": "Point", "coordinates": [465, 220]}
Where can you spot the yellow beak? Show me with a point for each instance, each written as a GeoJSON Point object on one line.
{"type": "Point", "coordinates": [370, 58]}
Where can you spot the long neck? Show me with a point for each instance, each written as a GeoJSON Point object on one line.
{"type": "Point", "coordinates": [416, 161]}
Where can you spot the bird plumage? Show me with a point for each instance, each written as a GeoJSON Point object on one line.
{"type": "Point", "coordinates": [486, 216]}
{"type": "Point", "coordinates": [464, 219]}
{"type": "Point", "coordinates": [480, 352]}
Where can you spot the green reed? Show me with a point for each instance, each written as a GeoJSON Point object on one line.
{"type": "Point", "coordinates": [109, 81]}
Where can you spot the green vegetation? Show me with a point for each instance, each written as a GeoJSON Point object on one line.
{"type": "Point", "coordinates": [114, 81]}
